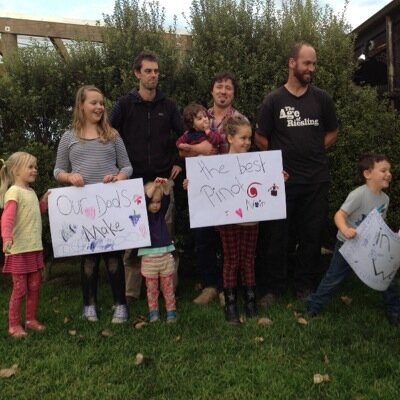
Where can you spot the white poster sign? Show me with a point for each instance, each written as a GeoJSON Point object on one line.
{"type": "Point", "coordinates": [98, 218]}
{"type": "Point", "coordinates": [374, 254]}
{"type": "Point", "coordinates": [235, 188]}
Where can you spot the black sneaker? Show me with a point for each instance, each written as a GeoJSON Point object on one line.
{"type": "Point", "coordinates": [302, 295]}
{"type": "Point", "coordinates": [312, 314]}
{"type": "Point", "coordinates": [394, 319]}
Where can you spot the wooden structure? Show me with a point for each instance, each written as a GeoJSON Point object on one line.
{"type": "Point", "coordinates": [10, 28]}
{"type": "Point", "coordinates": [377, 49]}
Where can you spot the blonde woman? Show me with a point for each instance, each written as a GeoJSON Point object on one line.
{"type": "Point", "coordinates": [93, 152]}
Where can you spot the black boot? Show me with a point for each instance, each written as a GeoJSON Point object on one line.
{"type": "Point", "coordinates": [250, 302]}
{"type": "Point", "coordinates": [231, 311]}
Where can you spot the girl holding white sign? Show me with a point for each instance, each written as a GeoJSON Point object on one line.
{"type": "Point", "coordinates": [21, 230]}
{"type": "Point", "coordinates": [93, 152]}
{"type": "Point", "coordinates": [158, 263]}
{"type": "Point", "coordinates": [238, 240]}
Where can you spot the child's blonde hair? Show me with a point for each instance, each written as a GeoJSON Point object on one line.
{"type": "Point", "coordinates": [232, 123]}
{"type": "Point", "coordinates": [106, 132]}
{"type": "Point", "coordinates": [13, 163]}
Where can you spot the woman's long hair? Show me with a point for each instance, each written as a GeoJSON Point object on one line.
{"type": "Point", "coordinates": [106, 132]}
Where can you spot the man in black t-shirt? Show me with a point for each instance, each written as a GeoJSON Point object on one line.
{"type": "Point", "coordinates": [300, 120]}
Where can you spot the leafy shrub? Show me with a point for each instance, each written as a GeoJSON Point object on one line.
{"type": "Point", "coordinates": [248, 37]}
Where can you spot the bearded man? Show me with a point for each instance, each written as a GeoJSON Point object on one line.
{"type": "Point", "coordinates": [300, 120]}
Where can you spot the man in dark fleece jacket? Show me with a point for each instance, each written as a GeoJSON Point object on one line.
{"type": "Point", "coordinates": [145, 118]}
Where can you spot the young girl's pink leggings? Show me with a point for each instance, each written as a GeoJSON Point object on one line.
{"type": "Point", "coordinates": [24, 285]}
{"type": "Point", "coordinates": [167, 289]}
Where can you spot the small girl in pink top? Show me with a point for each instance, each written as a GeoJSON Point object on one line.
{"type": "Point", "coordinates": [21, 231]}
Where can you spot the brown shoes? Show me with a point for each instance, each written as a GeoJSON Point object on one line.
{"type": "Point", "coordinates": [206, 295]}
{"type": "Point", "coordinates": [221, 299]}
{"type": "Point", "coordinates": [268, 300]}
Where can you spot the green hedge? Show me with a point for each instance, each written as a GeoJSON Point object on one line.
{"type": "Point", "coordinates": [248, 37]}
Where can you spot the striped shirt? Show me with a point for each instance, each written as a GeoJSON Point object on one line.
{"type": "Point", "coordinates": [91, 158]}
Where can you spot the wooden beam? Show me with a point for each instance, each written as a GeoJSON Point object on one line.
{"type": "Point", "coordinates": [10, 28]}
{"type": "Point", "coordinates": [390, 60]}
{"type": "Point", "coordinates": [8, 44]}
{"type": "Point", "coordinates": [48, 29]}
{"type": "Point", "coordinates": [60, 47]}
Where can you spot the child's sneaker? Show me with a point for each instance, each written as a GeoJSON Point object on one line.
{"type": "Point", "coordinates": [394, 319]}
{"type": "Point", "coordinates": [89, 313]}
{"type": "Point", "coordinates": [120, 314]}
{"type": "Point", "coordinates": [34, 325]}
{"type": "Point", "coordinates": [171, 317]}
{"type": "Point", "coordinates": [311, 310]}
{"type": "Point", "coordinates": [17, 332]}
{"type": "Point", "coordinates": [312, 313]}
{"type": "Point", "coordinates": [154, 316]}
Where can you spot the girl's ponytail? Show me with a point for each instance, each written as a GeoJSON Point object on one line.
{"type": "Point", "coordinates": [4, 181]}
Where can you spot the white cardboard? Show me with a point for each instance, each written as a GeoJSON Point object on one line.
{"type": "Point", "coordinates": [98, 218]}
{"type": "Point", "coordinates": [374, 254]}
{"type": "Point", "coordinates": [235, 188]}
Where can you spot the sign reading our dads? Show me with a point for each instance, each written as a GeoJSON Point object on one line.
{"type": "Point", "coordinates": [235, 188]}
{"type": "Point", "coordinates": [98, 218]}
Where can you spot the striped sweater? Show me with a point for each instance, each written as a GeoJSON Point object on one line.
{"type": "Point", "coordinates": [91, 158]}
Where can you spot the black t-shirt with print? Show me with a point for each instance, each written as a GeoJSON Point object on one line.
{"type": "Point", "coordinates": [297, 126]}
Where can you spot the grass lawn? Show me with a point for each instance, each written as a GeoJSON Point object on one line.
{"type": "Point", "coordinates": [200, 357]}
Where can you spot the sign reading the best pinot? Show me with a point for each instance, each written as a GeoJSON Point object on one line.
{"type": "Point", "coordinates": [235, 188]}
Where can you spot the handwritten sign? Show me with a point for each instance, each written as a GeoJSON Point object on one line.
{"type": "Point", "coordinates": [235, 188]}
{"type": "Point", "coordinates": [374, 254]}
{"type": "Point", "coordinates": [98, 218]}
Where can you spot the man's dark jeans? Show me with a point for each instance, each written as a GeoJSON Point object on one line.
{"type": "Point", "coordinates": [307, 209]}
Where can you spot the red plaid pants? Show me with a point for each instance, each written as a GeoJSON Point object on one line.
{"type": "Point", "coordinates": [239, 245]}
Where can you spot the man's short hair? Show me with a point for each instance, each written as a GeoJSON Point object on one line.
{"type": "Point", "coordinates": [367, 161]}
{"type": "Point", "coordinates": [144, 55]}
{"type": "Point", "coordinates": [224, 76]}
{"type": "Point", "coordinates": [295, 49]}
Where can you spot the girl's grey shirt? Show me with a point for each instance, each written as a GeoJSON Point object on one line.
{"type": "Point", "coordinates": [91, 158]}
